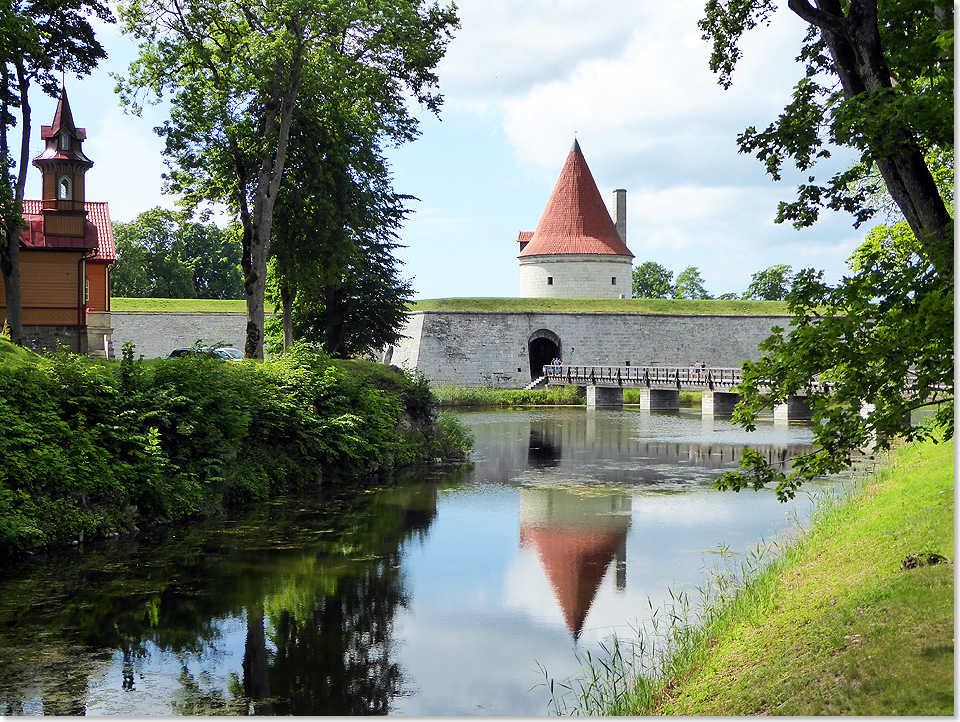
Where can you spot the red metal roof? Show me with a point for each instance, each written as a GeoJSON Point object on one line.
{"type": "Point", "coordinates": [98, 236]}
{"type": "Point", "coordinates": [575, 219]}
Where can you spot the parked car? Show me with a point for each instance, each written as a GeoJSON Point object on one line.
{"type": "Point", "coordinates": [223, 352]}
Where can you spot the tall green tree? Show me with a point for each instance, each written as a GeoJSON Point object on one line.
{"type": "Point", "coordinates": [39, 40]}
{"type": "Point", "coordinates": [689, 285]}
{"type": "Point", "coordinates": [237, 71]}
{"type": "Point", "coordinates": [651, 280]}
{"type": "Point", "coordinates": [163, 254]}
{"type": "Point", "coordinates": [771, 284]}
{"type": "Point", "coordinates": [893, 61]}
{"type": "Point", "coordinates": [878, 345]}
{"type": "Point", "coordinates": [336, 276]}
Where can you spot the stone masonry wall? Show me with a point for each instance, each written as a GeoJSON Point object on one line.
{"type": "Point", "coordinates": [157, 334]}
{"type": "Point", "coordinates": [491, 349]}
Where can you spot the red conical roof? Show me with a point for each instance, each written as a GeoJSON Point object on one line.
{"type": "Point", "coordinates": [63, 119]}
{"type": "Point", "coordinates": [575, 219]}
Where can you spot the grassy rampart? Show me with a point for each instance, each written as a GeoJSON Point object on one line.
{"type": "Point", "coordinates": [500, 305]}
{"type": "Point", "coordinates": [855, 618]}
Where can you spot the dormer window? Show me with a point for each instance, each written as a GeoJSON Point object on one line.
{"type": "Point", "coordinates": [64, 191]}
{"type": "Point", "coordinates": [64, 141]}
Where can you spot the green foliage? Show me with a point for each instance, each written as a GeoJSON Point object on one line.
{"type": "Point", "coordinates": [162, 254]}
{"type": "Point", "coordinates": [773, 284]}
{"type": "Point", "coordinates": [689, 285]}
{"type": "Point", "coordinates": [867, 353]}
{"type": "Point", "coordinates": [93, 448]}
{"type": "Point", "coordinates": [651, 280]}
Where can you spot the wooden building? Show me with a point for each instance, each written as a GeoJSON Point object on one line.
{"type": "Point", "coordinates": [66, 250]}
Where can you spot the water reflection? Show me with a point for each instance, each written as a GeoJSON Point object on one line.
{"type": "Point", "coordinates": [576, 538]}
{"type": "Point", "coordinates": [439, 595]}
{"type": "Point", "coordinates": [302, 595]}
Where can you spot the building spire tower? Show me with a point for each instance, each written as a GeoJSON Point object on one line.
{"type": "Point", "coordinates": [577, 249]}
{"type": "Point", "coordinates": [63, 167]}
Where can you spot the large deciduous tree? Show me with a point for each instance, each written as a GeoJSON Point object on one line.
{"type": "Point", "coordinates": [335, 274]}
{"type": "Point", "coordinates": [771, 284]}
{"type": "Point", "coordinates": [237, 71]}
{"type": "Point", "coordinates": [39, 40]}
{"type": "Point", "coordinates": [879, 79]}
{"type": "Point", "coordinates": [163, 254]}
{"type": "Point", "coordinates": [690, 286]}
{"type": "Point", "coordinates": [651, 280]}
{"type": "Point", "coordinates": [879, 345]}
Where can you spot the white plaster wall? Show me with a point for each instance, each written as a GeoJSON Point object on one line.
{"type": "Point", "coordinates": [576, 276]}
{"type": "Point", "coordinates": [491, 349]}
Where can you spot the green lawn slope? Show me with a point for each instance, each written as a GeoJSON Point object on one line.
{"type": "Point", "coordinates": [854, 620]}
{"type": "Point", "coordinates": [497, 305]}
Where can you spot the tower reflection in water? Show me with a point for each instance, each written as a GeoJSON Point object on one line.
{"type": "Point", "coordinates": [576, 537]}
{"type": "Point", "coordinates": [576, 533]}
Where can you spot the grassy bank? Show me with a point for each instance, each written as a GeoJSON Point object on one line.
{"type": "Point", "coordinates": [179, 305]}
{"type": "Point", "coordinates": [851, 620]}
{"type": "Point", "coordinates": [478, 396]}
{"type": "Point", "coordinates": [500, 305]}
{"type": "Point", "coordinates": [604, 305]}
{"type": "Point", "coordinates": [96, 448]}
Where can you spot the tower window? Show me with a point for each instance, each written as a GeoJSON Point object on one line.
{"type": "Point", "coordinates": [549, 280]}
{"type": "Point", "coordinates": [613, 280]}
{"type": "Point", "coordinates": [64, 141]}
{"type": "Point", "coordinates": [64, 192]}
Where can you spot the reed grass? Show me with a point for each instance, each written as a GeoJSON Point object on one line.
{"type": "Point", "coordinates": [478, 396]}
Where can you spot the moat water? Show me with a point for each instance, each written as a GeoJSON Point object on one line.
{"type": "Point", "coordinates": [456, 592]}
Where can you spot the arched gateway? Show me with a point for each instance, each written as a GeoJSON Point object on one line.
{"type": "Point", "coordinates": [544, 346]}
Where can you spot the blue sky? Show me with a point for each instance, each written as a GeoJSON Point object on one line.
{"type": "Point", "coordinates": [628, 78]}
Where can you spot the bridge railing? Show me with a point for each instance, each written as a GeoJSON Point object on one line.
{"type": "Point", "coordinates": [644, 376]}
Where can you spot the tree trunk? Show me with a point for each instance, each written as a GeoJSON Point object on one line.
{"type": "Point", "coordinates": [855, 46]}
{"type": "Point", "coordinates": [10, 266]}
{"type": "Point", "coordinates": [255, 290]}
{"type": "Point", "coordinates": [287, 296]}
{"type": "Point", "coordinates": [10, 253]}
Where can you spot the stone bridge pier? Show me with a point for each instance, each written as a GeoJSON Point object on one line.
{"type": "Point", "coordinates": [718, 403]}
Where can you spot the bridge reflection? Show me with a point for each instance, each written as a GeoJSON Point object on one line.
{"type": "Point", "coordinates": [578, 473]}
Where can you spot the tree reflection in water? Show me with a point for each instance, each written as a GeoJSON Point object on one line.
{"type": "Point", "coordinates": [315, 581]}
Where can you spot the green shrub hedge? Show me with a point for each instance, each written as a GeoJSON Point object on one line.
{"type": "Point", "coordinates": [93, 448]}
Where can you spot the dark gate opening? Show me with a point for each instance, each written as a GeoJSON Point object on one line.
{"type": "Point", "coordinates": [542, 352]}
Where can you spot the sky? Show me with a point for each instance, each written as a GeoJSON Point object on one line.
{"type": "Point", "coordinates": [628, 79]}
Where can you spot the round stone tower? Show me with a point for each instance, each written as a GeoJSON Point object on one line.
{"type": "Point", "coordinates": [577, 250]}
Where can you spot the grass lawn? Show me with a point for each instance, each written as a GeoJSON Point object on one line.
{"type": "Point", "coordinates": [502, 305]}
{"type": "Point", "coordinates": [845, 625]}
{"type": "Point", "coordinates": [604, 305]}
{"type": "Point", "coordinates": [177, 305]}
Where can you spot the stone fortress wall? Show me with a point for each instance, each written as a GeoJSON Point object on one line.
{"type": "Point", "coordinates": [498, 349]}
{"type": "Point", "coordinates": [157, 334]}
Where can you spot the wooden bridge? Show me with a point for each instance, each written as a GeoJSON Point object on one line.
{"type": "Point", "coordinates": [649, 377]}
{"type": "Point", "coordinates": [660, 387]}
